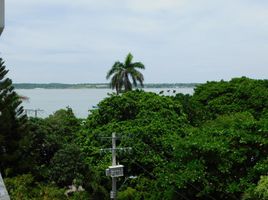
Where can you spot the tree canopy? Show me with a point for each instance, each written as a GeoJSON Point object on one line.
{"type": "Point", "coordinates": [12, 121]}
{"type": "Point", "coordinates": [209, 145]}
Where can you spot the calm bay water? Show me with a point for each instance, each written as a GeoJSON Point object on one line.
{"type": "Point", "coordinates": [80, 100]}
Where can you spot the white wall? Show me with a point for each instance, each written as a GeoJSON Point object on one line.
{"type": "Point", "coordinates": [2, 15]}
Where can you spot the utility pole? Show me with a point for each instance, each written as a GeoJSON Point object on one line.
{"type": "Point", "coordinates": [113, 192]}
{"type": "Point", "coordinates": [115, 170]}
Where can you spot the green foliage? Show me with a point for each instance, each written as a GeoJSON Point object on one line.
{"type": "Point", "coordinates": [149, 119]}
{"type": "Point", "coordinates": [25, 188]}
{"type": "Point", "coordinates": [49, 145]}
{"type": "Point", "coordinates": [211, 145]}
{"type": "Point", "coordinates": [67, 166]}
{"type": "Point", "coordinates": [221, 158]}
{"type": "Point", "coordinates": [19, 187]}
{"type": "Point", "coordinates": [121, 73]}
{"type": "Point", "coordinates": [128, 194]}
{"type": "Point", "coordinates": [226, 153]}
{"type": "Point", "coordinates": [194, 111]}
{"type": "Point", "coordinates": [83, 195]}
{"type": "Point", "coordinates": [261, 190]}
{"type": "Point", "coordinates": [258, 192]}
{"type": "Point", "coordinates": [12, 122]}
{"type": "Point", "coordinates": [64, 124]}
{"type": "Point", "coordinates": [237, 95]}
{"type": "Point", "coordinates": [39, 146]}
{"type": "Point", "coordinates": [136, 105]}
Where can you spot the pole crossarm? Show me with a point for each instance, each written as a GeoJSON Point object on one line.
{"type": "Point", "coordinates": [119, 149]}
{"type": "Point", "coordinates": [35, 111]}
{"type": "Point", "coordinates": [116, 138]}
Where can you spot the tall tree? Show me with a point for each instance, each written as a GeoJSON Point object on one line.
{"type": "Point", "coordinates": [121, 73]}
{"type": "Point", "coordinates": [12, 121]}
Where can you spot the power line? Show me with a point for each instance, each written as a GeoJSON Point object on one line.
{"type": "Point", "coordinates": [151, 174]}
{"type": "Point", "coordinates": [114, 149]}
{"type": "Point", "coordinates": [174, 172]}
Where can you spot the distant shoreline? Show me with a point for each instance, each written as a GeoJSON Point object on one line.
{"type": "Point", "coordinates": [96, 85]}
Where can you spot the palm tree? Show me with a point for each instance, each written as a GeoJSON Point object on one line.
{"type": "Point", "coordinates": [121, 73]}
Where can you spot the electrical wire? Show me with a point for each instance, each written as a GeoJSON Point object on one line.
{"type": "Point", "coordinates": [150, 173]}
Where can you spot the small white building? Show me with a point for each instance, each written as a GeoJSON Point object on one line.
{"type": "Point", "coordinates": [2, 15]}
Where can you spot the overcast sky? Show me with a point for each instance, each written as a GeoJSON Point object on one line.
{"type": "Point", "coordinates": [76, 41]}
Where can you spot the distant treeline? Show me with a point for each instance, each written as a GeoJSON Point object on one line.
{"type": "Point", "coordinates": [96, 85]}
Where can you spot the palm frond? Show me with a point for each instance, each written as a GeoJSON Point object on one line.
{"type": "Point", "coordinates": [134, 81]}
{"type": "Point", "coordinates": [141, 79]}
{"type": "Point", "coordinates": [136, 76]}
{"type": "Point", "coordinates": [139, 76]}
{"type": "Point", "coordinates": [128, 60]}
{"type": "Point", "coordinates": [115, 68]}
{"type": "Point", "coordinates": [138, 65]}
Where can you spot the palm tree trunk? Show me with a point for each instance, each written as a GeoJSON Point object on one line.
{"type": "Point", "coordinates": [127, 83]}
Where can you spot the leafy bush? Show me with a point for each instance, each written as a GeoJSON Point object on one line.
{"type": "Point", "coordinates": [258, 192]}
{"type": "Point", "coordinates": [24, 187]}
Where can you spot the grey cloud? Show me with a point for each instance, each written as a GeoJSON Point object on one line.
{"type": "Point", "coordinates": [178, 40]}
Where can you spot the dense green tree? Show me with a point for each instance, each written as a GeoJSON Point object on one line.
{"type": "Point", "coordinates": [50, 153]}
{"type": "Point", "coordinates": [12, 121]}
{"type": "Point", "coordinates": [220, 159]}
{"type": "Point", "coordinates": [67, 166]}
{"type": "Point", "coordinates": [64, 124]}
{"type": "Point", "coordinates": [122, 72]}
{"type": "Point", "coordinates": [237, 95]}
{"type": "Point", "coordinates": [217, 159]}
{"type": "Point", "coordinates": [195, 112]}
{"type": "Point", "coordinates": [213, 99]}
{"type": "Point", "coordinates": [144, 121]}
{"type": "Point", "coordinates": [45, 137]}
